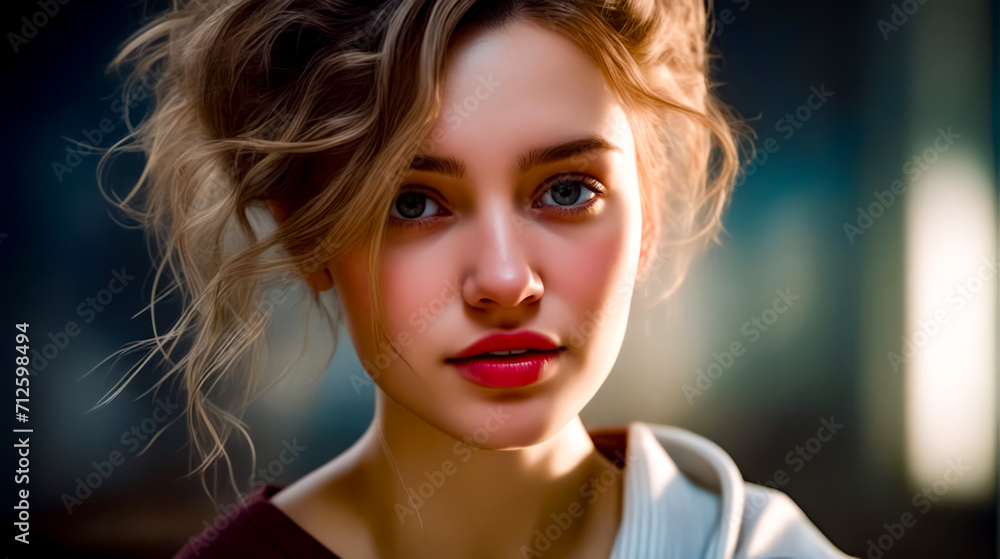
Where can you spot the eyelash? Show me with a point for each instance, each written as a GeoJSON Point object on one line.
{"type": "Point", "coordinates": [590, 183]}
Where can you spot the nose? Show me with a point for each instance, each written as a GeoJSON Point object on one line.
{"type": "Point", "coordinates": [503, 275]}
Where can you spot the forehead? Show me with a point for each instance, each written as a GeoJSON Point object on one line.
{"type": "Point", "coordinates": [513, 89]}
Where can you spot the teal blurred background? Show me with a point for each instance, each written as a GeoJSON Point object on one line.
{"type": "Point", "coordinates": [858, 276]}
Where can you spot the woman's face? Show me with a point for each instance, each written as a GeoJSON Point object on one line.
{"type": "Point", "coordinates": [508, 242]}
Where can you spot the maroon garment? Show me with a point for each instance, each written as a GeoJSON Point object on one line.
{"type": "Point", "coordinates": [260, 530]}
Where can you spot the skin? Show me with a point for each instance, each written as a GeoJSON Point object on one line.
{"type": "Point", "coordinates": [516, 260]}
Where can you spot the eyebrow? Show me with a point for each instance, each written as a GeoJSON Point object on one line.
{"type": "Point", "coordinates": [452, 167]}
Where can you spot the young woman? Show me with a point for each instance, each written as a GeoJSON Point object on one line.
{"type": "Point", "coordinates": [477, 187]}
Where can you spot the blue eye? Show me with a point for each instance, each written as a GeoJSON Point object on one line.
{"type": "Point", "coordinates": [414, 205]}
{"type": "Point", "coordinates": [570, 191]}
{"type": "Point", "coordinates": [567, 193]}
{"type": "Point", "coordinates": [571, 194]}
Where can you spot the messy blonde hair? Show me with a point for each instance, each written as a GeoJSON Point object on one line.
{"type": "Point", "coordinates": [321, 106]}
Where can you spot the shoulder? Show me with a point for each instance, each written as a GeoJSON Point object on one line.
{"type": "Point", "coordinates": [751, 521]}
{"type": "Point", "coordinates": [254, 529]}
{"type": "Point", "coordinates": [771, 521]}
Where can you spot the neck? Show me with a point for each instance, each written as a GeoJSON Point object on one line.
{"type": "Point", "coordinates": [444, 494]}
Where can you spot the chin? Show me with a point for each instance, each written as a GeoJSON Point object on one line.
{"type": "Point", "coordinates": [509, 423]}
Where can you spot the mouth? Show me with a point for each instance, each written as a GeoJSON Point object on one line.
{"type": "Point", "coordinates": [510, 354]}
{"type": "Point", "coordinates": [506, 368]}
{"type": "Point", "coordinates": [504, 344]}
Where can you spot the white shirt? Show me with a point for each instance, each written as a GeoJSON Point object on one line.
{"type": "Point", "coordinates": [685, 499]}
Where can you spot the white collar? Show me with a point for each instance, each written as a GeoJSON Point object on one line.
{"type": "Point", "coordinates": [664, 514]}
{"type": "Point", "coordinates": [685, 498]}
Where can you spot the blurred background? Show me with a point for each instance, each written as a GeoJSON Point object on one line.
{"type": "Point", "coordinates": [858, 275]}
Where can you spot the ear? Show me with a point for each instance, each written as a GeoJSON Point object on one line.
{"type": "Point", "coordinates": [318, 280]}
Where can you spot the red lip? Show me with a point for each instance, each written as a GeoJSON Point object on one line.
{"type": "Point", "coordinates": [523, 339]}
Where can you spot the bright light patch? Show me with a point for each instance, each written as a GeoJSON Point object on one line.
{"type": "Point", "coordinates": [951, 329]}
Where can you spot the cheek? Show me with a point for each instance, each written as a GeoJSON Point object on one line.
{"type": "Point", "coordinates": [405, 284]}
{"type": "Point", "coordinates": [586, 270]}
{"type": "Point", "coordinates": [350, 278]}
{"type": "Point", "coordinates": [418, 286]}
{"type": "Point", "coordinates": [595, 278]}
